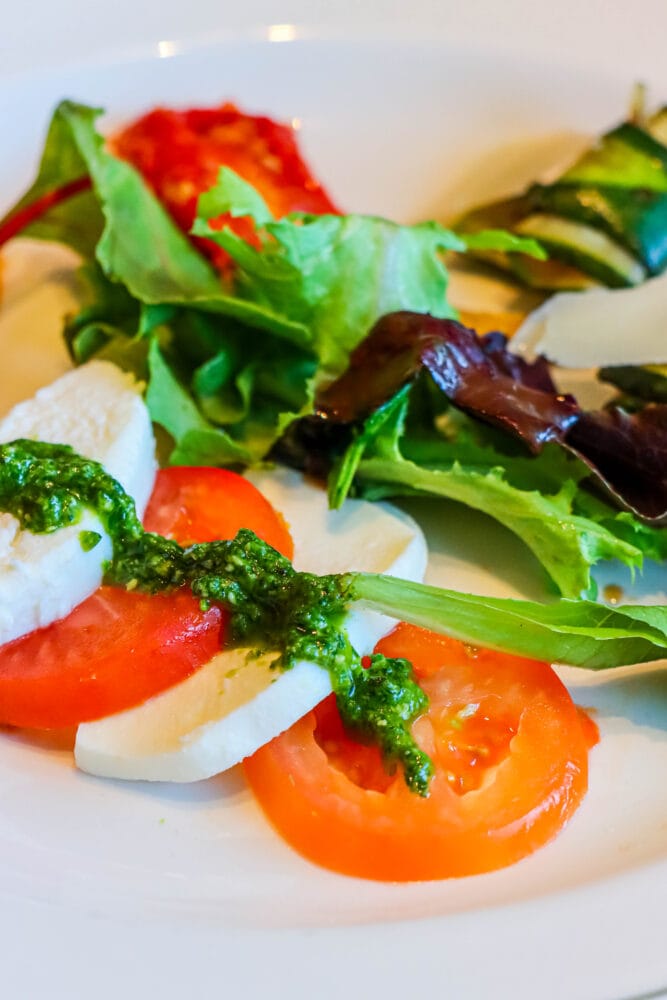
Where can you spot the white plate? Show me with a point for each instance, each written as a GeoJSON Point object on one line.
{"type": "Point", "coordinates": [183, 889]}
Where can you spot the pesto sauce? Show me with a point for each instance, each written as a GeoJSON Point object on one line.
{"type": "Point", "coordinates": [47, 487]}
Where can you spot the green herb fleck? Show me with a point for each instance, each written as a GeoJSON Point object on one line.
{"type": "Point", "coordinates": [89, 539]}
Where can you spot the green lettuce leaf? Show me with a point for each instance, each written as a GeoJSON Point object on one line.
{"type": "Point", "coordinates": [401, 452]}
{"type": "Point", "coordinates": [502, 241]}
{"type": "Point", "coordinates": [126, 228]}
{"type": "Point", "coordinates": [565, 544]}
{"type": "Point", "coordinates": [171, 406]}
{"type": "Point", "coordinates": [238, 363]}
{"type": "Point", "coordinates": [580, 633]}
{"type": "Point", "coordinates": [230, 407]}
{"type": "Point", "coordinates": [335, 274]}
{"type": "Point", "coordinates": [133, 238]}
{"type": "Point", "coordinates": [77, 222]}
{"type": "Point", "coordinates": [140, 246]}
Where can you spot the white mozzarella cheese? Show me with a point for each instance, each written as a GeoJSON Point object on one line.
{"type": "Point", "coordinates": [235, 704]}
{"type": "Point", "coordinates": [361, 537]}
{"type": "Point", "coordinates": [98, 411]}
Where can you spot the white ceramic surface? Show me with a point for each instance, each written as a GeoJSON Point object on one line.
{"type": "Point", "coordinates": [108, 888]}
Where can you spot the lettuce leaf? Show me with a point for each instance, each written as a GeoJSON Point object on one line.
{"type": "Point", "coordinates": [78, 221]}
{"type": "Point", "coordinates": [627, 454]}
{"type": "Point", "coordinates": [336, 274]}
{"type": "Point", "coordinates": [534, 497]}
{"type": "Point", "coordinates": [333, 274]}
{"type": "Point", "coordinates": [123, 226]}
{"type": "Point", "coordinates": [477, 374]}
{"type": "Point", "coordinates": [133, 238]}
{"type": "Point", "coordinates": [580, 633]}
{"type": "Point", "coordinates": [231, 408]}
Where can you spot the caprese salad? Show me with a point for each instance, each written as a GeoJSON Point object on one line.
{"type": "Point", "coordinates": [243, 619]}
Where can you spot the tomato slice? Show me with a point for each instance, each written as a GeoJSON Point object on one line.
{"type": "Point", "coordinates": [117, 649]}
{"type": "Point", "coordinates": [510, 762]}
{"type": "Point", "coordinates": [180, 153]}
{"type": "Point", "coordinates": [202, 504]}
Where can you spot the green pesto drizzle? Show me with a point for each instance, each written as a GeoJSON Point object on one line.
{"type": "Point", "coordinates": [271, 606]}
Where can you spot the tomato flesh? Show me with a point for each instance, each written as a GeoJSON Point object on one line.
{"type": "Point", "coordinates": [180, 154]}
{"type": "Point", "coordinates": [117, 649]}
{"type": "Point", "coordinates": [510, 762]}
{"type": "Point", "coordinates": [201, 504]}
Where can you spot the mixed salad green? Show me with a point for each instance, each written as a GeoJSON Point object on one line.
{"type": "Point", "coordinates": [239, 369]}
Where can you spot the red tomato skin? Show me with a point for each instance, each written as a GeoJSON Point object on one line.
{"type": "Point", "coordinates": [393, 835]}
{"type": "Point", "coordinates": [119, 648]}
{"type": "Point", "coordinates": [162, 638]}
{"type": "Point", "coordinates": [190, 503]}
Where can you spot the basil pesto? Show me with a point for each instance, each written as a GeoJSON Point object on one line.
{"type": "Point", "coordinates": [271, 606]}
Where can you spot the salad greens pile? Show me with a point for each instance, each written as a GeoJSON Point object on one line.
{"type": "Point", "coordinates": [451, 414]}
{"type": "Point", "coordinates": [228, 366]}
{"type": "Point", "coordinates": [241, 367]}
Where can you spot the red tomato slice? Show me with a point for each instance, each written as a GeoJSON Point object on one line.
{"type": "Point", "coordinates": [180, 154]}
{"type": "Point", "coordinates": [202, 504]}
{"type": "Point", "coordinates": [117, 649]}
{"type": "Point", "coordinates": [510, 769]}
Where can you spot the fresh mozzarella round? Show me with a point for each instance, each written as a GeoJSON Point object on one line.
{"type": "Point", "coordinates": [236, 703]}
{"type": "Point", "coordinates": [98, 410]}
{"type": "Point", "coordinates": [360, 537]}
{"type": "Point", "coordinates": [212, 720]}
{"type": "Point", "coordinates": [600, 326]}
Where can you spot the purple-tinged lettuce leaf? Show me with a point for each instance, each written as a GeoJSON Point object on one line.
{"type": "Point", "coordinates": [477, 374]}
{"type": "Point", "coordinates": [626, 454]}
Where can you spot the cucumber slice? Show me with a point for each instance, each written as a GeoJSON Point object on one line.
{"type": "Point", "coordinates": [637, 219]}
{"type": "Point", "coordinates": [604, 220]}
{"type": "Point", "coordinates": [647, 383]}
{"type": "Point", "coordinates": [627, 157]}
{"type": "Point", "coordinates": [496, 215]}
{"type": "Point", "coordinates": [548, 275]}
{"type": "Point", "coordinates": [657, 126]}
{"type": "Point", "coordinates": [585, 248]}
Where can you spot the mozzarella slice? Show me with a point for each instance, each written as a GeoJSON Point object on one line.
{"type": "Point", "coordinates": [98, 410]}
{"type": "Point", "coordinates": [599, 327]}
{"type": "Point", "coordinates": [235, 704]}
{"type": "Point", "coordinates": [360, 537]}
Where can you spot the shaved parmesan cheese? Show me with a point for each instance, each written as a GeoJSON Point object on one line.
{"type": "Point", "coordinates": [600, 326]}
